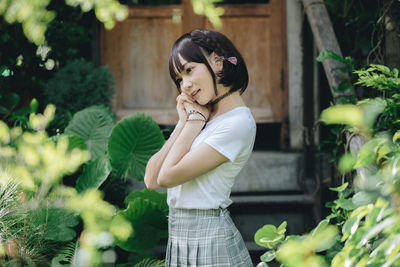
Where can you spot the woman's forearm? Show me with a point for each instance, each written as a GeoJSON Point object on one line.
{"type": "Point", "coordinates": [176, 152]}
{"type": "Point", "coordinates": [156, 161]}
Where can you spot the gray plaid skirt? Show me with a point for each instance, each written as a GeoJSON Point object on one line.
{"type": "Point", "coordinates": [204, 238]}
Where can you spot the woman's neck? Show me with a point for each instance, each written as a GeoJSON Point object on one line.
{"type": "Point", "coordinates": [224, 105]}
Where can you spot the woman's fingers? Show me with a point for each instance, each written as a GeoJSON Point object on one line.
{"type": "Point", "coordinates": [187, 105]}
{"type": "Point", "coordinates": [184, 97]}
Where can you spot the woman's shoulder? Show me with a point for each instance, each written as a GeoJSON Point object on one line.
{"type": "Point", "coordinates": [241, 116]}
{"type": "Point", "coordinates": [238, 121]}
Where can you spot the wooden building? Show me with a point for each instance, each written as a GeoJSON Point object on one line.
{"type": "Point", "coordinates": [276, 184]}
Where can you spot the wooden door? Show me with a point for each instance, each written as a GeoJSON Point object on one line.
{"type": "Point", "coordinates": [137, 52]}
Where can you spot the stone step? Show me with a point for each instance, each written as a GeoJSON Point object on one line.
{"type": "Point", "coordinates": [270, 171]}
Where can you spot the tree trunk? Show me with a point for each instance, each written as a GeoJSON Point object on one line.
{"type": "Point", "coordinates": [392, 35]}
{"type": "Point", "coordinates": [325, 39]}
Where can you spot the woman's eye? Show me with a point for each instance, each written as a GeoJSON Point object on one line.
{"type": "Point", "coordinates": [188, 70]}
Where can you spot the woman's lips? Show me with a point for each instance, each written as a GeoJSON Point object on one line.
{"type": "Point", "coordinates": [195, 94]}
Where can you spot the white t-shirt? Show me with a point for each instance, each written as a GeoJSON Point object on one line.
{"type": "Point", "coordinates": [232, 134]}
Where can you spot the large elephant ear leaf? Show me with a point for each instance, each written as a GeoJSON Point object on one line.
{"type": "Point", "coordinates": [94, 174]}
{"type": "Point", "coordinates": [148, 222]}
{"type": "Point", "coordinates": [133, 141]}
{"type": "Point", "coordinates": [159, 198]}
{"type": "Point", "coordinates": [74, 141]}
{"type": "Point", "coordinates": [94, 125]}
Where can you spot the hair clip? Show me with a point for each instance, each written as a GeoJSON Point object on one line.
{"type": "Point", "coordinates": [232, 60]}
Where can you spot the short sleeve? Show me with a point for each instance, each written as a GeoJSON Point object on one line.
{"type": "Point", "coordinates": [231, 137]}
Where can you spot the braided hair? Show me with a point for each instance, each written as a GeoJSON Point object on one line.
{"type": "Point", "coordinates": [197, 45]}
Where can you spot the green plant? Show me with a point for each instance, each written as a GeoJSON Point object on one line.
{"type": "Point", "coordinates": [78, 85]}
{"type": "Point", "coordinates": [39, 213]}
{"type": "Point", "coordinates": [34, 15]}
{"type": "Point", "coordinates": [360, 25]}
{"type": "Point", "coordinates": [122, 149]}
{"type": "Point", "coordinates": [66, 254]}
{"type": "Point", "coordinates": [150, 263]}
{"type": "Point", "coordinates": [11, 114]}
{"type": "Point", "coordinates": [386, 83]}
{"type": "Point", "coordinates": [147, 211]}
{"type": "Point", "coordinates": [366, 213]}
{"type": "Point", "coordinates": [46, 212]}
{"type": "Point", "coordinates": [334, 142]}
{"type": "Point", "coordinates": [345, 88]}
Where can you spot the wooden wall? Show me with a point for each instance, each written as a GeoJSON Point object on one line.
{"type": "Point", "coordinates": [137, 52]}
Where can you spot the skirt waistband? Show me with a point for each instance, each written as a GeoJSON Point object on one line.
{"type": "Point", "coordinates": [197, 213]}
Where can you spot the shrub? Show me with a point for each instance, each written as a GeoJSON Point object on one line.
{"type": "Point", "coordinates": [79, 84]}
{"type": "Point", "coordinates": [368, 212]}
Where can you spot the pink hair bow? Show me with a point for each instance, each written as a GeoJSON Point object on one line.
{"type": "Point", "coordinates": [232, 60]}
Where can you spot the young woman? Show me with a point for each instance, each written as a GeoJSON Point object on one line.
{"type": "Point", "coordinates": [209, 146]}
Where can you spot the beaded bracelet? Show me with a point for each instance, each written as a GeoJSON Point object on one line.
{"type": "Point", "coordinates": [195, 120]}
{"type": "Point", "coordinates": [193, 111]}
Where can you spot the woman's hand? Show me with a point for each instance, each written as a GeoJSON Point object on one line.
{"type": "Point", "coordinates": [180, 107]}
{"type": "Point", "coordinates": [194, 106]}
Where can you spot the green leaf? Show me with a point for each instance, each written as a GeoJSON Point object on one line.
{"type": "Point", "coordinates": [268, 256]}
{"type": "Point", "coordinates": [76, 141]}
{"type": "Point", "coordinates": [12, 100]}
{"type": "Point", "coordinates": [363, 198]}
{"type": "Point", "coordinates": [56, 223]}
{"type": "Point", "coordinates": [34, 105]}
{"type": "Point", "coordinates": [350, 226]}
{"type": "Point", "coordinates": [382, 69]}
{"type": "Point", "coordinates": [132, 142]}
{"type": "Point", "coordinates": [339, 188]}
{"type": "Point", "coordinates": [345, 85]}
{"type": "Point", "coordinates": [150, 263]}
{"type": "Point", "coordinates": [3, 111]}
{"type": "Point", "coordinates": [94, 125]}
{"type": "Point", "coordinates": [149, 224]}
{"type": "Point", "coordinates": [325, 238]}
{"type": "Point", "coordinates": [66, 254]}
{"type": "Point", "coordinates": [282, 228]}
{"type": "Point", "coordinates": [347, 114]}
{"type": "Point", "coordinates": [383, 151]}
{"type": "Point", "coordinates": [388, 246]}
{"type": "Point", "coordinates": [321, 225]}
{"type": "Point", "coordinates": [347, 162]}
{"type": "Point", "coordinates": [346, 204]}
{"type": "Point", "coordinates": [371, 108]}
{"type": "Point", "coordinates": [328, 54]}
{"type": "Point", "coordinates": [367, 153]}
{"type": "Point", "coordinates": [159, 198]}
{"type": "Point", "coordinates": [268, 236]}
{"type": "Point", "coordinates": [395, 72]}
{"type": "Point", "coordinates": [137, 257]}
{"type": "Point", "coordinates": [333, 251]}
{"type": "Point", "coordinates": [396, 136]}
{"type": "Point", "coordinates": [4, 71]}
{"type": "Point", "coordinates": [94, 174]}
{"type": "Point", "coordinates": [375, 230]}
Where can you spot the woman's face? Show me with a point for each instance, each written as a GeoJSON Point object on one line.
{"type": "Point", "coordinates": [196, 81]}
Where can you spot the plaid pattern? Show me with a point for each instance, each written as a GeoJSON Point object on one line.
{"type": "Point", "coordinates": [201, 238]}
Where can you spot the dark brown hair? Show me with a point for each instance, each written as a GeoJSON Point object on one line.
{"type": "Point", "coordinates": [194, 45]}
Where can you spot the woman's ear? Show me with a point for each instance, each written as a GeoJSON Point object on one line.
{"type": "Point", "coordinates": [216, 62]}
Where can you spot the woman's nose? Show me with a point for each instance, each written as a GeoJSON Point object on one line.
{"type": "Point", "coordinates": [186, 85]}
